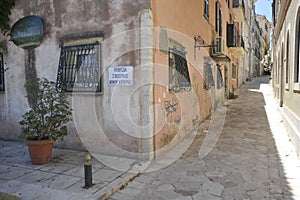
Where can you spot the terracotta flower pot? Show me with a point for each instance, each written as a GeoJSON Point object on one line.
{"type": "Point", "coordinates": [40, 151]}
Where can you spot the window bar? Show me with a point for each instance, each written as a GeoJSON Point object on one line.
{"type": "Point", "coordinates": [79, 67]}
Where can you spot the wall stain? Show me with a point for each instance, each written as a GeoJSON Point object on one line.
{"type": "Point", "coordinates": [30, 76]}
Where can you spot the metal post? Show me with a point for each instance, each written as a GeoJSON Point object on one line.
{"type": "Point", "coordinates": [88, 180]}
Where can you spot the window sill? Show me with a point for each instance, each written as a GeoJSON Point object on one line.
{"type": "Point", "coordinates": [296, 87]}
{"type": "Point", "coordinates": [88, 93]}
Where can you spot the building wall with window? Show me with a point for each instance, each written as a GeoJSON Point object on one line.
{"type": "Point", "coordinates": [243, 52]}
{"type": "Point", "coordinates": [183, 67]}
{"type": "Point", "coordinates": [187, 94]}
{"type": "Point", "coordinates": [285, 72]}
{"type": "Point", "coordinates": [252, 62]}
{"type": "Point", "coordinates": [84, 41]}
{"type": "Point", "coordinates": [81, 41]}
{"type": "Point", "coordinates": [256, 47]}
{"type": "Point", "coordinates": [212, 65]}
{"type": "Point", "coordinates": [264, 26]}
{"type": "Point", "coordinates": [245, 34]}
{"type": "Point", "coordinates": [240, 13]}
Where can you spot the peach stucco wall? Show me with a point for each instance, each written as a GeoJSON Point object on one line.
{"type": "Point", "coordinates": [195, 105]}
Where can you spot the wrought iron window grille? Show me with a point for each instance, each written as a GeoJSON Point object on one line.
{"type": "Point", "coordinates": [219, 78]}
{"type": "Point", "coordinates": [79, 68]}
{"type": "Point", "coordinates": [209, 78]}
{"type": "Point", "coordinates": [179, 77]}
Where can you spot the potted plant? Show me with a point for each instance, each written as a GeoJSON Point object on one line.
{"type": "Point", "coordinates": [46, 119]}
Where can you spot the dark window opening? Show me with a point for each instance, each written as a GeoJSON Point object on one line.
{"type": "Point", "coordinates": [219, 78]}
{"type": "Point", "coordinates": [79, 68]}
{"type": "Point", "coordinates": [232, 37]}
{"type": "Point", "coordinates": [287, 59]}
{"type": "Point", "coordinates": [297, 50]}
{"type": "Point", "coordinates": [179, 77]}
{"type": "Point", "coordinates": [1, 72]}
{"type": "Point", "coordinates": [217, 17]}
{"type": "Point", "coordinates": [206, 9]}
{"type": "Point", "coordinates": [220, 22]}
{"type": "Point", "coordinates": [208, 77]}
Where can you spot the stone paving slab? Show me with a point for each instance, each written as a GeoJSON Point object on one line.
{"type": "Point", "coordinates": [62, 178]}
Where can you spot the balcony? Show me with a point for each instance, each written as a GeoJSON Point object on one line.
{"type": "Point", "coordinates": [234, 41]}
{"type": "Point", "coordinates": [239, 9]}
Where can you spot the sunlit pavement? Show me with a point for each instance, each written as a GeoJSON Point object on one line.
{"type": "Point", "coordinates": [252, 159]}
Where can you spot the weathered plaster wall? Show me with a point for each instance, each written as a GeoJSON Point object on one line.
{"type": "Point", "coordinates": [70, 17]}
{"type": "Point", "coordinates": [195, 105]}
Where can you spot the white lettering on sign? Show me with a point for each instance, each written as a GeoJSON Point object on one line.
{"type": "Point", "coordinates": [120, 75]}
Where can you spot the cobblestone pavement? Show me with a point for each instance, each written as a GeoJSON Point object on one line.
{"type": "Point", "coordinates": [61, 179]}
{"type": "Point", "coordinates": [253, 158]}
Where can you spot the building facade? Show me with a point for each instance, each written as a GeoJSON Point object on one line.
{"type": "Point", "coordinates": [239, 9]}
{"type": "Point", "coordinates": [285, 71]}
{"type": "Point", "coordinates": [81, 43]}
{"type": "Point", "coordinates": [264, 26]}
{"type": "Point", "coordinates": [139, 75]}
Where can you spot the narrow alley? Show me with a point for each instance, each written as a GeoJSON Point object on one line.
{"type": "Point", "coordinates": [252, 159]}
{"type": "Point", "coordinates": [150, 100]}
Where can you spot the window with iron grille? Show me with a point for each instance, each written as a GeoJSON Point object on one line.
{"type": "Point", "coordinates": [219, 78]}
{"type": "Point", "coordinates": [79, 68]}
{"type": "Point", "coordinates": [208, 77]}
{"type": "Point", "coordinates": [1, 73]}
{"type": "Point", "coordinates": [179, 77]}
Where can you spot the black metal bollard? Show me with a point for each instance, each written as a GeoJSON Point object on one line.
{"type": "Point", "coordinates": [88, 179]}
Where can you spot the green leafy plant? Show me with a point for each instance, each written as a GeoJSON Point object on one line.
{"type": "Point", "coordinates": [5, 12]}
{"type": "Point", "coordinates": [48, 117]}
{"type": "Point", "coordinates": [267, 62]}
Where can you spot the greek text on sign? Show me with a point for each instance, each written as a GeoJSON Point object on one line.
{"type": "Point", "coordinates": [120, 75]}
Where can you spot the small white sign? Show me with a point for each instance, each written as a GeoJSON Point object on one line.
{"type": "Point", "coordinates": [120, 75]}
